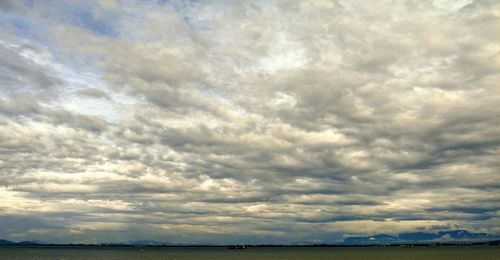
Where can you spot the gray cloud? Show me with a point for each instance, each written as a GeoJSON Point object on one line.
{"type": "Point", "coordinates": [21, 74]}
{"type": "Point", "coordinates": [255, 122]}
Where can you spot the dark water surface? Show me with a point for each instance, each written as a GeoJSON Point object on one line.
{"type": "Point", "coordinates": [77, 253]}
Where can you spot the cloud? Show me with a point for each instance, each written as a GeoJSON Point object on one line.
{"type": "Point", "coordinates": [94, 93]}
{"type": "Point", "coordinates": [255, 122]}
{"type": "Point", "coordinates": [22, 71]}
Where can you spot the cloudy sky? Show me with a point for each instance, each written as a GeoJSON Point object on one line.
{"type": "Point", "coordinates": [248, 121]}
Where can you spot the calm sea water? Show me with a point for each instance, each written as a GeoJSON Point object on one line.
{"type": "Point", "coordinates": [75, 253]}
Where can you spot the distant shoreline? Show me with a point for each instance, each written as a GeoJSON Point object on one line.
{"type": "Point", "coordinates": [399, 245]}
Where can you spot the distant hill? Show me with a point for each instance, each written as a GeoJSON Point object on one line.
{"type": "Point", "coordinates": [420, 237]}
{"type": "Point", "coordinates": [7, 242]}
{"type": "Point", "coordinates": [423, 238]}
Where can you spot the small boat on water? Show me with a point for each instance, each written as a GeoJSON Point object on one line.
{"type": "Point", "coordinates": [238, 247]}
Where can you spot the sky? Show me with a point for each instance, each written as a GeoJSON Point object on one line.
{"type": "Point", "coordinates": [248, 121]}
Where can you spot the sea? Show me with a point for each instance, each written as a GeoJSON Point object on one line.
{"type": "Point", "coordinates": [124, 253]}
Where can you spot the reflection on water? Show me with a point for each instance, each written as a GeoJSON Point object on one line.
{"type": "Point", "coordinates": [77, 253]}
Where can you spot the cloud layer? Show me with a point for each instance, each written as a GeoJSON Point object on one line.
{"type": "Point", "coordinates": [254, 122]}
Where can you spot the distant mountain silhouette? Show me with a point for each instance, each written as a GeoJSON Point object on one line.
{"type": "Point", "coordinates": [416, 237]}
{"type": "Point", "coordinates": [7, 242]}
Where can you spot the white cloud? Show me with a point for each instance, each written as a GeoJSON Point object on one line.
{"type": "Point", "coordinates": [291, 121]}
